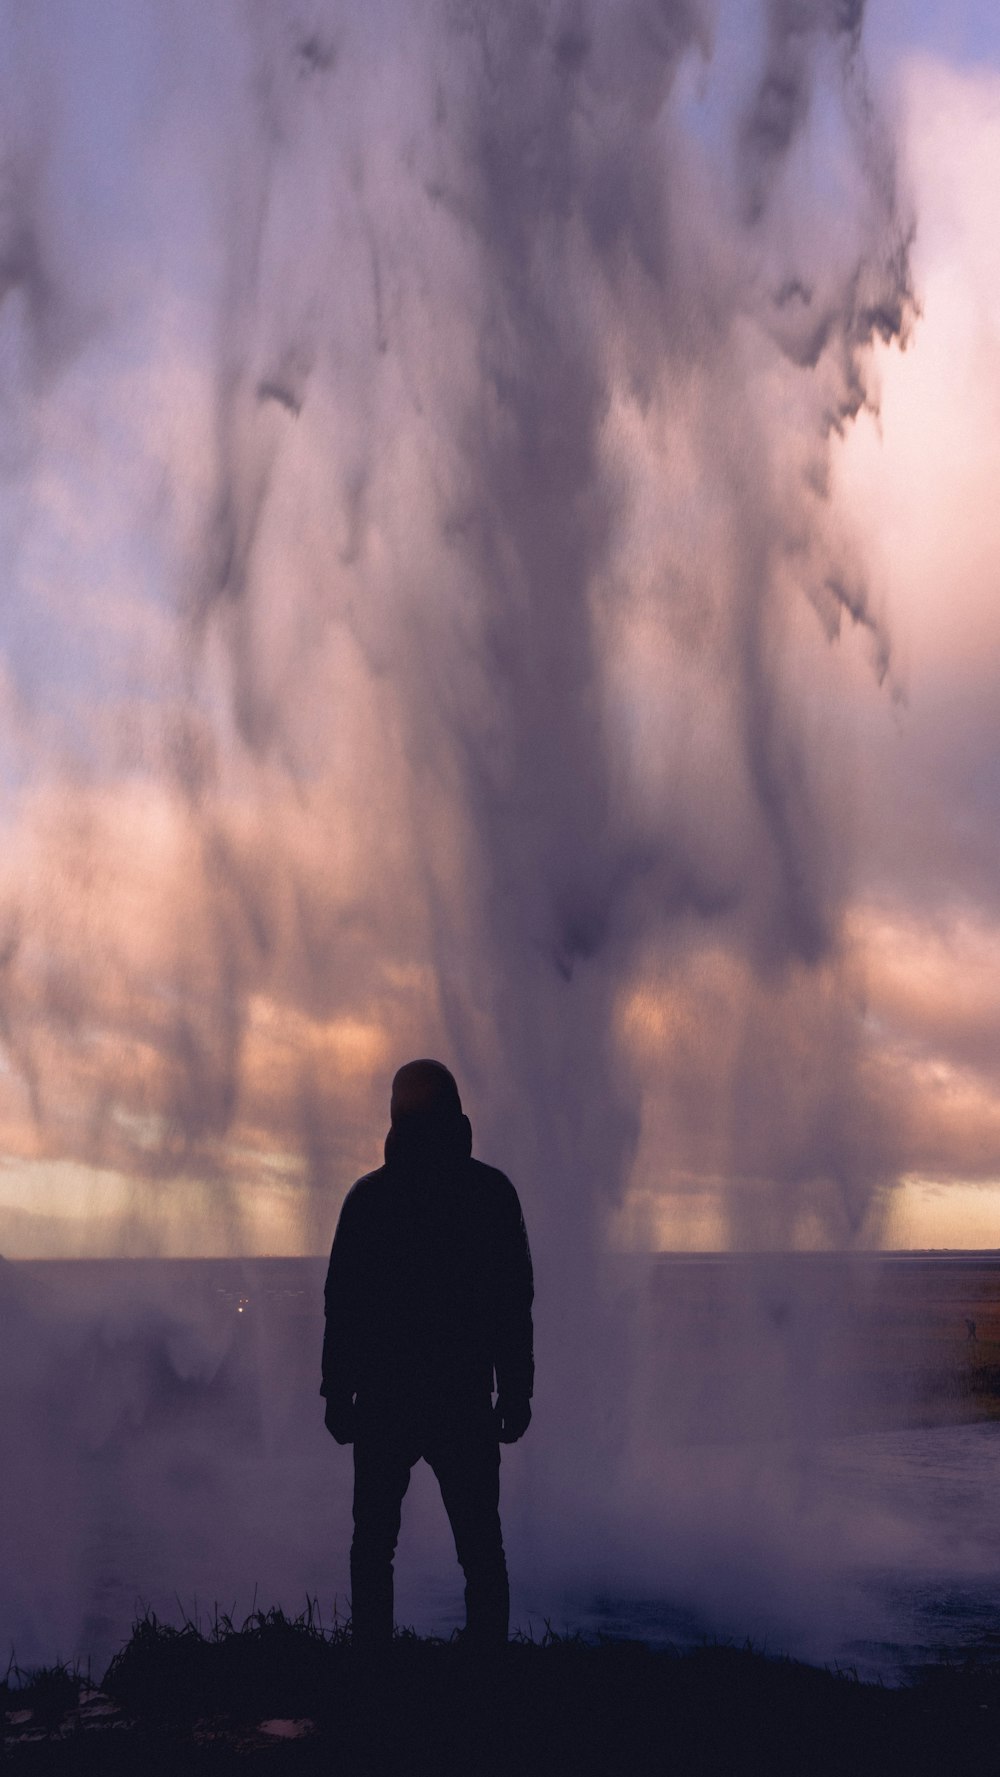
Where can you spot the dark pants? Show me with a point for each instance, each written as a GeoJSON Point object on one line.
{"type": "Point", "coordinates": [466, 1461]}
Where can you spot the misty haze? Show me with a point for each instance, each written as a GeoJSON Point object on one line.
{"type": "Point", "coordinates": [499, 529]}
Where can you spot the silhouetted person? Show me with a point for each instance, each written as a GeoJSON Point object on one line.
{"type": "Point", "coordinates": [428, 1300]}
{"type": "Point", "coordinates": [970, 1330]}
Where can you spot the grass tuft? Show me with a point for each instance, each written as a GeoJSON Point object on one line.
{"type": "Point", "coordinates": [205, 1699]}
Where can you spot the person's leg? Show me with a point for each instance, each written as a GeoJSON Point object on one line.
{"type": "Point", "coordinates": [381, 1476]}
{"type": "Point", "coordinates": [467, 1465]}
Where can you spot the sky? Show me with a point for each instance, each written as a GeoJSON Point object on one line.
{"type": "Point", "coordinates": [500, 534]}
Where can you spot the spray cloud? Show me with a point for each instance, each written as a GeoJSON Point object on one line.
{"type": "Point", "coordinates": [420, 628]}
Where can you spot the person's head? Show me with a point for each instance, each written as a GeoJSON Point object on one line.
{"type": "Point", "coordinates": [424, 1092]}
{"type": "Point", "coordinates": [426, 1115]}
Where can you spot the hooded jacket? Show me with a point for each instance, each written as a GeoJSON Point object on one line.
{"type": "Point", "coordinates": [429, 1289]}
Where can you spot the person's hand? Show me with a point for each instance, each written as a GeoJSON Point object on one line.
{"type": "Point", "coordinates": [513, 1418]}
{"type": "Point", "coordinates": [340, 1420]}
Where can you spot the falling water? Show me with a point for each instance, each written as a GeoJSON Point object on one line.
{"type": "Point", "coordinates": [420, 639]}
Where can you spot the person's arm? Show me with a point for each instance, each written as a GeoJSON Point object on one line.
{"type": "Point", "coordinates": [341, 1296]}
{"type": "Point", "coordinates": [514, 1361]}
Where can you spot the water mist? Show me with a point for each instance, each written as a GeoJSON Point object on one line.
{"type": "Point", "coordinates": [418, 479]}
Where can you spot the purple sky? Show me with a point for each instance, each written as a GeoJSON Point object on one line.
{"type": "Point", "coordinates": [484, 579]}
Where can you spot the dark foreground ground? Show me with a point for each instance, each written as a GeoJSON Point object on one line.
{"type": "Point", "coordinates": [276, 1697]}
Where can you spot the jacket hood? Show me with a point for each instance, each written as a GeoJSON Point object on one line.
{"type": "Point", "coordinates": [429, 1144]}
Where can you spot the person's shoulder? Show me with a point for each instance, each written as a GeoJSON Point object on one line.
{"type": "Point", "coordinates": [492, 1183]}
{"type": "Point", "coordinates": [490, 1176]}
{"type": "Point", "coordinates": [366, 1190]}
